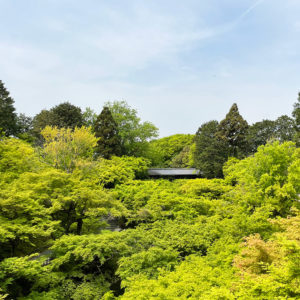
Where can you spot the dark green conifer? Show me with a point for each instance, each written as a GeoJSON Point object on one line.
{"type": "Point", "coordinates": [233, 131]}
{"type": "Point", "coordinates": [296, 111]}
{"type": "Point", "coordinates": [210, 152]}
{"type": "Point", "coordinates": [8, 117]}
{"type": "Point", "coordinates": [296, 115]}
{"type": "Point", "coordinates": [107, 130]}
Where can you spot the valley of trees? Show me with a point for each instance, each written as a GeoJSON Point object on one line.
{"type": "Point", "coordinates": [80, 219]}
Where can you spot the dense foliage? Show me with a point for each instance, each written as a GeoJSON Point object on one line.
{"type": "Point", "coordinates": [296, 115]}
{"type": "Point", "coordinates": [8, 116]}
{"type": "Point", "coordinates": [171, 150]}
{"type": "Point", "coordinates": [134, 134]}
{"type": "Point", "coordinates": [210, 152]}
{"type": "Point", "coordinates": [106, 130]}
{"type": "Point", "coordinates": [233, 131]}
{"type": "Point", "coordinates": [229, 238]}
{"type": "Point", "coordinates": [64, 115]}
{"type": "Point", "coordinates": [78, 225]}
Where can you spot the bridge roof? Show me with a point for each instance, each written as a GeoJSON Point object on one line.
{"type": "Point", "coordinates": [173, 172]}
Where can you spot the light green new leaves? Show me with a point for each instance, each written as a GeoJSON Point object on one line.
{"type": "Point", "coordinates": [64, 148]}
{"type": "Point", "coordinates": [271, 176]}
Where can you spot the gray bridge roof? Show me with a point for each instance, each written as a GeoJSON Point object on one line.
{"type": "Point", "coordinates": [173, 172]}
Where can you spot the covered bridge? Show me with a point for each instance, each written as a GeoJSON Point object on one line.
{"type": "Point", "coordinates": [173, 173]}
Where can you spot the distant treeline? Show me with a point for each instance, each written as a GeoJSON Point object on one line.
{"type": "Point", "coordinates": [120, 132]}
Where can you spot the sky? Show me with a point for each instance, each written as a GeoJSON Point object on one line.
{"type": "Point", "coordinates": [178, 63]}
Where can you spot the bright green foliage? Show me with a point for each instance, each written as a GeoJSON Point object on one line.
{"type": "Point", "coordinates": [147, 263]}
{"type": "Point", "coordinates": [164, 150]}
{"type": "Point", "coordinates": [212, 189]}
{"type": "Point", "coordinates": [185, 159]}
{"type": "Point", "coordinates": [268, 177]}
{"type": "Point", "coordinates": [35, 199]}
{"type": "Point", "coordinates": [181, 160]}
{"type": "Point", "coordinates": [26, 223]}
{"type": "Point", "coordinates": [64, 148]}
{"type": "Point", "coordinates": [180, 239]}
{"type": "Point", "coordinates": [79, 205]}
{"type": "Point", "coordinates": [149, 201]}
{"type": "Point", "coordinates": [81, 267]}
{"type": "Point", "coordinates": [263, 270]}
{"type": "Point", "coordinates": [271, 269]}
{"type": "Point", "coordinates": [210, 152]}
{"type": "Point", "coordinates": [8, 117]}
{"type": "Point", "coordinates": [106, 130]}
{"type": "Point", "coordinates": [31, 278]}
{"type": "Point", "coordinates": [134, 134]}
{"type": "Point", "coordinates": [16, 157]}
{"type": "Point", "coordinates": [3, 296]}
{"type": "Point", "coordinates": [192, 279]}
{"type": "Point", "coordinates": [19, 275]}
{"type": "Point", "coordinates": [117, 170]}
{"type": "Point", "coordinates": [36, 206]}
{"type": "Point", "coordinates": [233, 131]}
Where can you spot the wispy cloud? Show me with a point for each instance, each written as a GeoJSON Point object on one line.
{"type": "Point", "coordinates": [227, 27]}
{"type": "Point", "coordinates": [249, 10]}
{"type": "Point", "coordinates": [144, 38]}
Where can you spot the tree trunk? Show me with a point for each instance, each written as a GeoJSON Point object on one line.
{"type": "Point", "coordinates": [79, 226]}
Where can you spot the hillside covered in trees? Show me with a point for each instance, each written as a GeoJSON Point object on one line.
{"type": "Point", "coordinates": [80, 219]}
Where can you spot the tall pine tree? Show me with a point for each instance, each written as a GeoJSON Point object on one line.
{"type": "Point", "coordinates": [233, 130]}
{"type": "Point", "coordinates": [296, 115]}
{"type": "Point", "coordinates": [8, 117]}
{"type": "Point", "coordinates": [107, 130]}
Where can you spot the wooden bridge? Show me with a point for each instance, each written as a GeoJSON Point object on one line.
{"type": "Point", "coordinates": [173, 173]}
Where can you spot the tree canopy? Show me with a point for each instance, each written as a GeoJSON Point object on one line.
{"type": "Point", "coordinates": [210, 151]}
{"type": "Point", "coordinates": [133, 133]}
{"type": "Point", "coordinates": [230, 238]}
{"type": "Point", "coordinates": [64, 148]}
{"type": "Point", "coordinates": [106, 130]}
{"type": "Point", "coordinates": [162, 151]}
{"type": "Point", "coordinates": [233, 130]}
{"type": "Point", "coordinates": [64, 115]}
{"type": "Point", "coordinates": [79, 225]}
{"type": "Point", "coordinates": [8, 116]}
{"type": "Point", "coordinates": [296, 115]}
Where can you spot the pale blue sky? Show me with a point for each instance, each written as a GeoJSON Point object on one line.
{"type": "Point", "coordinates": [179, 63]}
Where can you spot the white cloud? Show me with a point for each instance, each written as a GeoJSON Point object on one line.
{"type": "Point", "coordinates": [145, 38]}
